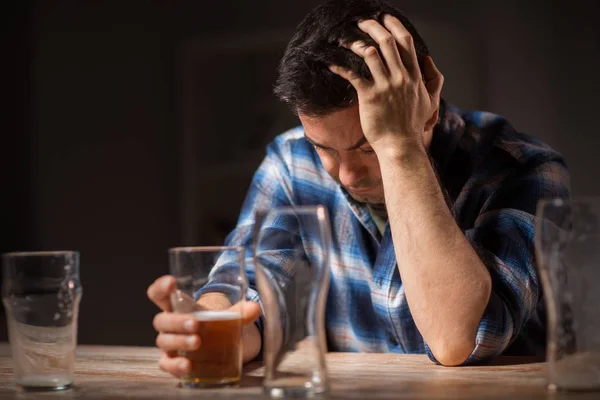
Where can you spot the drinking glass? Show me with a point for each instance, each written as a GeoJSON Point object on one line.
{"type": "Point", "coordinates": [201, 272]}
{"type": "Point", "coordinates": [291, 261]}
{"type": "Point", "coordinates": [568, 252]}
{"type": "Point", "coordinates": [41, 293]}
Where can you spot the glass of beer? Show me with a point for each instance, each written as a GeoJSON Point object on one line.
{"type": "Point", "coordinates": [211, 286]}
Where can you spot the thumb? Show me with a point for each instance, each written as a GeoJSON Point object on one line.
{"type": "Point", "coordinates": [160, 292]}
{"type": "Point", "coordinates": [250, 311]}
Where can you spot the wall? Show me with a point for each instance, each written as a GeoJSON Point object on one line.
{"type": "Point", "coordinates": [541, 72]}
{"type": "Point", "coordinates": [99, 165]}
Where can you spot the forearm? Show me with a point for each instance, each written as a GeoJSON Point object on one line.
{"type": "Point", "coordinates": [446, 284]}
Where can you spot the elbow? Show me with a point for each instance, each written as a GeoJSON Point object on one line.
{"type": "Point", "coordinates": [458, 342]}
{"type": "Point", "coordinates": [458, 345]}
{"type": "Point", "coordinates": [454, 354]}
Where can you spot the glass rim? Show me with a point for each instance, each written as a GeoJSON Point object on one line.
{"type": "Point", "coordinates": [292, 209]}
{"type": "Point", "coordinates": [46, 253]}
{"type": "Point", "coordinates": [319, 210]}
{"type": "Point", "coordinates": [189, 249]}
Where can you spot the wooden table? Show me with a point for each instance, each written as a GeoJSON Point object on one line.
{"type": "Point", "coordinates": [109, 372]}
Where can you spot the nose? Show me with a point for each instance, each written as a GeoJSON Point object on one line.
{"type": "Point", "coordinates": [351, 171]}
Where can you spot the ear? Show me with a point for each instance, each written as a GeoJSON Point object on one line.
{"type": "Point", "coordinates": [430, 123]}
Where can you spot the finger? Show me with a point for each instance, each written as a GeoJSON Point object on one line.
{"type": "Point", "coordinates": [249, 310]}
{"type": "Point", "coordinates": [372, 59]}
{"type": "Point", "coordinates": [159, 292]}
{"type": "Point", "coordinates": [359, 83]}
{"type": "Point", "coordinates": [167, 322]}
{"type": "Point", "coordinates": [406, 45]}
{"type": "Point", "coordinates": [178, 366]}
{"type": "Point", "coordinates": [434, 80]}
{"type": "Point", "coordinates": [169, 342]}
{"type": "Point", "coordinates": [386, 41]}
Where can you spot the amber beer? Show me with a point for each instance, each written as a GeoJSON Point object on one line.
{"type": "Point", "coordinates": [218, 361]}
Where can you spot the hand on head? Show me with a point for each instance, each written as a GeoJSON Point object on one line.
{"type": "Point", "coordinates": [400, 103]}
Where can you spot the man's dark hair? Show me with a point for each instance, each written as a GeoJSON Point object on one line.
{"type": "Point", "coordinates": [304, 80]}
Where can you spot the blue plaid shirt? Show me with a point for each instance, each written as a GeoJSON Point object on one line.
{"type": "Point", "coordinates": [492, 176]}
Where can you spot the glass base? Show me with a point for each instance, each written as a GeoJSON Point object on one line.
{"type": "Point", "coordinates": [575, 372]}
{"type": "Point", "coordinates": [44, 383]}
{"type": "Point", "coordinates": [552, 387]}
{"type": "Point", "coordinates": [307, 390]}
{"type": "Point", "coordinates": [195, 383]}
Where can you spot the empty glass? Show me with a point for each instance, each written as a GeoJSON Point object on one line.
{"type": "Point", "coordinates": [291, 260]}
{"type": "Point", "coordinates": [201, 273]}
{"type": "Point", "coordinates": [568, 252]}
{"type": "Point", "coordinates": [41, 293]}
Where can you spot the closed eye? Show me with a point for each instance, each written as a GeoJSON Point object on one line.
{"type": "Point", "coordinates": [321, 148]}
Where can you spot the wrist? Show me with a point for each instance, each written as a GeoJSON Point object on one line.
{"type": "Point", "coordinates": [252, 343]}
{"type": "Point", "coordinates": [401, 152]}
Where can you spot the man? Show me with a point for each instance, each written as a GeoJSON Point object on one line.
{"type": "Point", "coordinates": [432, 208]}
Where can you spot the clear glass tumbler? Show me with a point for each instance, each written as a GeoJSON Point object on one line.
{"type": "Point", "coordinates": [41, 293]}
{"type": "Point", "coordinates": [291, 260]}
{"type": "Point", "coordinates": [568, 252]}
{"type": "Point", "coordinates": [205, 277]}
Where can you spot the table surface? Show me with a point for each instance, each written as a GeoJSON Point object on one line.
{"type": "Point", "coordinates": [114, 372]}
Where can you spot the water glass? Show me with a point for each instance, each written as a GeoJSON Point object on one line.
{"type": "Point", "coordinates": [202, 272]}
{"type": "Point", "coordinates": [291, 261]}
{"type": "Point", "coordinates": [41, 293]}
{"type": "Point", "coordinates": [568, 252]}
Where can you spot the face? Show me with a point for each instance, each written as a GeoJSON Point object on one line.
{"type": "Point", "coordinates": [346, 154]}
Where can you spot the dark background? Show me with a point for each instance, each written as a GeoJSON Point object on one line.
{"type": "Point", "coordinates": [133, 126]}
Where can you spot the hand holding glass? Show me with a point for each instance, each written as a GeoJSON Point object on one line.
{"type": "Point", "coordinates": [211, 285]}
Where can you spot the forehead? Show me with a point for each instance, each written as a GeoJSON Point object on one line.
{"type": "Point", "coordinates": [337, 128]}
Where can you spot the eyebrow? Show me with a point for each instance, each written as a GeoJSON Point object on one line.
{"type": "Point", "coordinates": [355, 146]}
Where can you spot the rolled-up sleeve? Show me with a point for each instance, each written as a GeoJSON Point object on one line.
{"type": "Point", "coordinates": [503, 237]}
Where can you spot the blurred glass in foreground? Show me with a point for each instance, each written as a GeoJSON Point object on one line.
{"type": "Point", "coordinates": [291, 260]}
{"type": "Point", "coordinates": [568, 253]}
